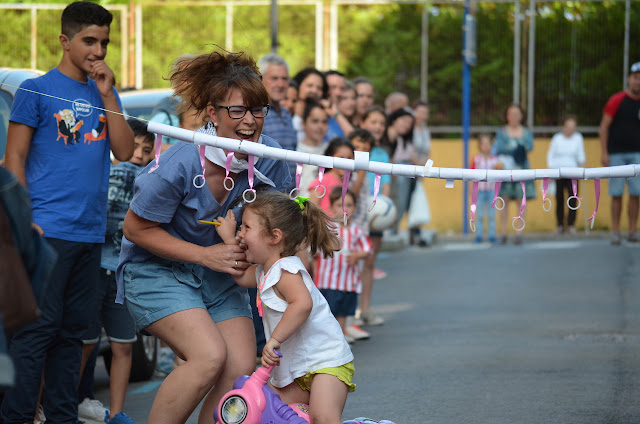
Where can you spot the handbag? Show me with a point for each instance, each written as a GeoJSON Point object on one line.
{"type": "Point", "coordinates": [419, 212]}
{"type": "Point", "coordinates": [18, 306]}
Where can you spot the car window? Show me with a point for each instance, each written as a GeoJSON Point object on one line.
{"type": "Point", "coordinates": [140, 112]}
{"type": "Point", "coordinates": [5, 111]}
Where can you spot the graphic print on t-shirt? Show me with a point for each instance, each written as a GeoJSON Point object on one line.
{"type": "Point", "coordinates": [69, 124]}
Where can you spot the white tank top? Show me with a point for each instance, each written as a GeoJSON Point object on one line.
{"type": "Point", "coordinates": [318, 343]}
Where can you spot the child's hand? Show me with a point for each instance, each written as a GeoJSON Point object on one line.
{"type": "Point", "coordinates": [227, 228]}
{"type": "Point", "coordinates": [103, 76]}
{"type": "Point", "coordinates": [269, 357]}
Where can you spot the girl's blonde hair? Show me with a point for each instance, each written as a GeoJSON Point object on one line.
{"type": "Point", "coordinates": [299, 223]}
{"type": "Point", "coordinates": [208, 79]}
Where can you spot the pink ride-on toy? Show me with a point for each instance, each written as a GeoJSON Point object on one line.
{"type": "Point", "coordinates": [253, 401]}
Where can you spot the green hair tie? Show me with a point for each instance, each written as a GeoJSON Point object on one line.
{"type": "Point", "coordinates": [300, 200]}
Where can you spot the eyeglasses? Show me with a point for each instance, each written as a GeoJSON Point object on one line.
{"type": "Point", "coordinates": [238, 112]}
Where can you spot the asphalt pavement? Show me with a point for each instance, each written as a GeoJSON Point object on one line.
{"type": "Point", "coordinates": [544, 332]}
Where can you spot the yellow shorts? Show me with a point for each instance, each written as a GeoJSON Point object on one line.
{"type": "Point", "coordinates": [343, 372]}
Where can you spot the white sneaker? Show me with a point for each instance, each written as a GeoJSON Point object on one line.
{"type": "Point", "coordinates": [369, 318]}
{"type": "Point", "coordinates": [40, 418]}
{"type": "Point", "coordinates": [357, 333]}
{"type": "Point", "coordinates": [91, 409]}
{"type": "Point", "coordinates": [349, 339]}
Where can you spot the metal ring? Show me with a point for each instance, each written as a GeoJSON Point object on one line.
{"type": "Point", "coordinates": [592, 219]}
{"type": "Point", "coordinates": [345, 219]}
{"type": "Point", "coordinates": [236, 263]}
{"type": "Point", "coordinates": [203, 181]}
{"type": "Point", "coordinates": [578, 199]}
{"type": "Point", "coordinates": [224, 183]}
{"type": "Point", "coordinates": [496, 204]}
{"type": "Point", "coordinates": [544, 202]}
{"type": "Point", "coordinates": [244, 195]}
{"type": "Point", "coordinates": [513, 223]}
{"type": "Point", "coordinates": [472, 225]}
{"type": "Point", "coordinates": [293, 196]}
{"type": "Point", "coordinates": [372, 205]}
{"type": "Point", "coordinates": [324, 191]}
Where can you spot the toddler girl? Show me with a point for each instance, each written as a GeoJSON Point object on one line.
{"type": "Point", "coordinates": [297, 319]}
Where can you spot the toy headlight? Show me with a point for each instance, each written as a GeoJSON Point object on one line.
{"type": "Point", "coordinates": [234, 410]}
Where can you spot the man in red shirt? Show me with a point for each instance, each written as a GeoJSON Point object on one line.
{"type": "Point", "coordinates": [620, 142]}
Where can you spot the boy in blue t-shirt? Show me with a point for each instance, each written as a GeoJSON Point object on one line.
{"type": "Point", "coordinates": [59, 149]}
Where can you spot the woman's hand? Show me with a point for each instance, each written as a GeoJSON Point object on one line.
{"type": "Point", "coordinates": [269, 357]}
{"type": "Point", "coordinates": [225, 258]}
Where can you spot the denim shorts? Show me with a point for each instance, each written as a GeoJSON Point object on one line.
{"type": "Point", "coordinates": [513, 191]}
{"type": "Point", "coordinates": [158, 288]}
{"type": "Point", "coordinates": [114, 317]}
{"type": "Point", "coordinates": [616, 185]}
{"type": "Point", "coordinates": [342, 303]}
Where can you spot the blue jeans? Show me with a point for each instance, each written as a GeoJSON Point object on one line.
{"type": "Point", "coordinates": [485, 198]}
{"type": "Point", "coordinates": [54, 342]}
{"type": "Point", "coordinates": [37, 256]}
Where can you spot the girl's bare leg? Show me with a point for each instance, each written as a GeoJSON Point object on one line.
{"type": "Point", "coordinates": [327, 400]}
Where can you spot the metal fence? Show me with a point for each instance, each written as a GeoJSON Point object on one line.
{"type": "Point", "coordinates": [552, 57]}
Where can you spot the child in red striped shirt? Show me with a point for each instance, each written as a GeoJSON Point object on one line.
{"type": "Point", "coordinates": [338, 278]}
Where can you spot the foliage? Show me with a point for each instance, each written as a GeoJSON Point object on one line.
{"type": "Point", "coordinates": [578, 48]}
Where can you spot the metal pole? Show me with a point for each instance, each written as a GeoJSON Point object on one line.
{"type": "Point", "coordinates": [333, 36]}
{"type": "Point", "coordinates": [466, 113]}
{"type": "Point", "coordinates": [531, 63]}
{"type": "Point", "coordinates": [274, 26]}
{"type": "Point", "coordinates": [139, 46]}
{"type": "Point", "coordinates": [228, 36]}
{"type": "Point", "coordinates": [124, 45]}
{"type": "Point", "coordinates": [34, 37]}
{"type": "Point", "coordinates": [424, 54]}
{"type": "Point", "coordinates": [625, 66]}
{"type": "Point", "coordinates": [517, 39]}
{"type": "Point", "coordinates": [319, 35]}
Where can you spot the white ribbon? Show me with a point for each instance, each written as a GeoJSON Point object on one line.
{"type": "Point", "coordinates": [217, 156]}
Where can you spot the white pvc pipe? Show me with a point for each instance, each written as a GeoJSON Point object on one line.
{"type": "Point", "coordinates": [362, 163]}
{"type": "Point", "coordinates": [547, 173]}
{"type": "Point", "coordinates": [474, 174]}
{"type": "Point", "coordinates": [523, 174]}
{"type": "Point", "coordinates": [572, 173]}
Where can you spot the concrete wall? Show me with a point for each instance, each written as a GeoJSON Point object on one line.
{"type": "Point", "coordinates": [446, 204]}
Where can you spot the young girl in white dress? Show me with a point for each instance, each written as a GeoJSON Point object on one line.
{"type": "Point", "coordinates": [317, 365]}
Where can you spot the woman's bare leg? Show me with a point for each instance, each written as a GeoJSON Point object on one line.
{"type": "Point", "coordinates": [239, 337]}
{"type": "Point", "coordinates": [194, 336]}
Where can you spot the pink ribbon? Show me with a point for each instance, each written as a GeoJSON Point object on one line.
{"type": "Point", "coordinates": [201, 153]}
{"type": "Point", "coordinates": [574, 186]}
{"type": "Point", "coordinates": [296, 190]}
{"type": "Point", "coordinates": [298, 175]}
{"type": "Point", "coordinates": [345, 186]}
{"type": "Point", "coordinates": [596, 185]}
{"type": "Point", "coordinates": [320, 177]}
{"type": "Point", "coordinates": [250, 173]}
{"type": "Point", "coordinates": [545, 189]}
{"type": "Point", "coordinates": [376, 189]}
{"type": "Point", "coordinates": [158, 150]}
{"type": "Point", "coordinates": [227, 167]}
{"type": "Point", "coordinates": [474, 203]}
{"type": "Point", "coordinates": [523, 206]}
{"type": "Point", "coordinates": [496, 195]}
